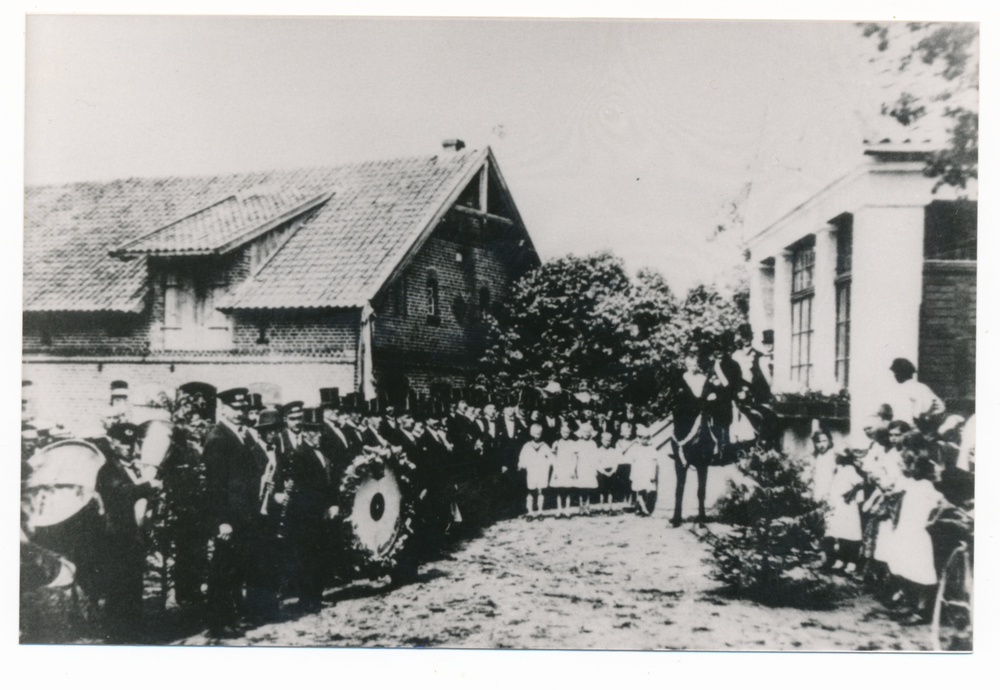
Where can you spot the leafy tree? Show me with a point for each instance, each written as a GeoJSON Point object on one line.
{"type": "Point", "coordinates": [564, 321]}
{"type": "Point", "coordinates": [585, 324]}
{"type": "Point", "coordinates": [950, 52]}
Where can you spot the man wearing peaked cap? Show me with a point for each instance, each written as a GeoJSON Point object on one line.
{"type": "Point", "coordinates": [312, 500]}
{"type": "Point", "coordinates": [120, 487]}
{"type": "Point", "coordinates": [233, 473]}
{"type": "Point", "coordinates": [236, 398]}
{"type": "Point", "coordinates": [123, 433]}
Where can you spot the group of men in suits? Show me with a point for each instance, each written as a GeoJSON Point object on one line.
{"type": "Point", "coordinates": [274, 485]}
{"type": "Point", "coordinates": [274, 477]}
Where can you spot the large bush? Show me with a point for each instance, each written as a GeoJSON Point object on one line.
{"type": "Point", "coordinates": [769, 549]}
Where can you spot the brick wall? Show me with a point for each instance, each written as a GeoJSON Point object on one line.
{"type": "Point", "coordinates": [315, 332]}
{"type": "Point", "coordinates": [947, 359]}
{"type": "Point", "coordinates": [77, 394]}
{"type": "Point", "coordinates": [74, 333]}
{"type": "Point", "coordinates": [490, 259]}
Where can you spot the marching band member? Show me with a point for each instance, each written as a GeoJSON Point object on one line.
{"type": "Point", "coordinates": [120, 486]}
{"type": "Point", "coordinates": [233, 484]}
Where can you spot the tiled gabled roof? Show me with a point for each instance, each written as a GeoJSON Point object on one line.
{"type": "Point", "coordinates": [337, 258]}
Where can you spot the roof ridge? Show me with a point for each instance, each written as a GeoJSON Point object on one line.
{"type": "Point", "coordinates": [258, 171]}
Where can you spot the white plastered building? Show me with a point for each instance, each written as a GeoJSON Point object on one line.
{"type": "Point", "coordinates": [875, 266]}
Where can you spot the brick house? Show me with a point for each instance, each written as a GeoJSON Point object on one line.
{"type": "Point", "coordinates": [875, 266]}
{"type": "Point", "coordinates": [374, 273]}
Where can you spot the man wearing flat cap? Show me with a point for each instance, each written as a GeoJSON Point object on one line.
{"type": "Point", "coordinates": [233, 487]}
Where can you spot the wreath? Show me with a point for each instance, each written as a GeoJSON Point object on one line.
{"type": "Point", "coordinates": [377, 503]}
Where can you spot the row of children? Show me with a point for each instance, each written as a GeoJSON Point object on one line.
{"type": "Point", "coordinates": [588, 471]}
{"type": "Point", "coordinates": [882, 499]}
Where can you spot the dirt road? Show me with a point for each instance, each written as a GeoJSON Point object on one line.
{"type": "Point", "coordinates": [598, 582]}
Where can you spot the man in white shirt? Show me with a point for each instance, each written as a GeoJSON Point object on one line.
{"type": "Point", "coordinates": [913, 399]}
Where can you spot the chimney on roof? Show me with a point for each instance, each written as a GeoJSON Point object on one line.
{"type": "Point", "coordinates": [456, 144]}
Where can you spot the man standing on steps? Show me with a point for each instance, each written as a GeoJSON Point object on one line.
{"type": "Point", "coordinates": [233, 485]}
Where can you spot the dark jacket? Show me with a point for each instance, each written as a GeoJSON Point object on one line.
{"type": "Point", "coordinates": [232, 474]}
{"type": "Point", "coordinates": [507, 446]}
{"type": "Point", "coordinates": [339, 451]}
{"type": "Point", "coordinates": [314, 484]}
{"type": "Point", "coordinates": [119, 494]}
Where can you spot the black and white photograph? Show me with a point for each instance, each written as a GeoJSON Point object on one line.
{"type": "Point", "coordinates": [499, 333]}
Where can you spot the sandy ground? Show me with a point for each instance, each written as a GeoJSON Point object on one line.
{"type": "Point", "coordinates": [597, 582]}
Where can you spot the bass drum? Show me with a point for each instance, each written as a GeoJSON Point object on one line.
{"type": "Point", "coordinates": [377, 519]}
{"type": "Point", "coordinates": [62, 482]}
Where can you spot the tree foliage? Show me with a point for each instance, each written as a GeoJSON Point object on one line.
{"type": "Point", "coordinates": [950, 52]}
{"type": "Point", "coordinates": [584, 323]}
{"type": "Point", "coordinates": [771, 553]}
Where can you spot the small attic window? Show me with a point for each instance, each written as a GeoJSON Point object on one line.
{"type": "Point", "coordinates": [433, 300]}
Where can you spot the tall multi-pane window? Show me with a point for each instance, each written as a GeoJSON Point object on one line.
{"type": "Point", "coordinates": [845, 242]}
{"type": "Point", "coordinates": [803, 265]}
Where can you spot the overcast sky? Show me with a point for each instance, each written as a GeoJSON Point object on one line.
{"type": "Point", "coordinates": [626, 135]}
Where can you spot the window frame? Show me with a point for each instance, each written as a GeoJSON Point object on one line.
{"type": "Point", "coordinates": [432, 297]}
{"type": "Point", "coordinates": [842, 301]}
{"type": "Point", "coordinates": [803, 265]}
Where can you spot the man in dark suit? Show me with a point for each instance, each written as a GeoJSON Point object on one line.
{"type": "Point", "coordinates": [312, 503]}
{"type": "Point", "coordinates": [406, 438]}
{"type": "Point", "coordinates": [233, 486]}
{"type": "Point", "coordinates": [437, 487]}
{"type": "Point", "coordinates": [263, 577]}
{"type": "Point", "coordinates": [120, 486]}
{"type": "Point", "coordinates": [389, 427]}
{"type": "Point", "coordinates": [511, 435]}
{"type": "Point", "coordinates": [336, 442]}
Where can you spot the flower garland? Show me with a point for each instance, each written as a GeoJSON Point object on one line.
{"type": "Point", "coordinates": [371, 466]}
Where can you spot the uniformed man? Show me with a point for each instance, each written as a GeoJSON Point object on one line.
{"type": "Point", "coordinates": [312, 504]}
{"type": "Point", "coordinates": [233, 484]}
{"type": "Point", "coordinates": [263, 573]}
{"type": "Point", "coordinates": [120, 486]}
{"type": "Point", "coordinates": [336, 442]}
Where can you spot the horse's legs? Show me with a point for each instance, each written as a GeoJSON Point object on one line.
{"type": "Point", "coordinates": [681, 469]}
{"type": "Point", "coordinates": [702, 481]}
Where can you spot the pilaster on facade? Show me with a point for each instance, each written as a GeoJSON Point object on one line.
{"type": "Point", "coordinates": [761, 314]}
{"type": "Point", "coordinates": [886, 294]}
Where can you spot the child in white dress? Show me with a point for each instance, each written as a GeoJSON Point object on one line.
{"type": "Point", "coordinates": [645, 472]}
{"type": "Point", "coordinates": [587, 463]}
{"type": "Point", "coordinates": [563, 478]}
{"type": "Point", "coordinates": [911, 553]}
{"type": "Point", "coordinates": [536, 462]}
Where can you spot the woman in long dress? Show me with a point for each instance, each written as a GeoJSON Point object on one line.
{"type": "Point", "coordinates": [694, 443]}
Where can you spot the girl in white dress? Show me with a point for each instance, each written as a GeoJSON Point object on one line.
{"type": "Point", "coordinates": [587, 463]}
{"type": "Point", "coordinates": [645, 472]}
{"type": "Point", "coordinates": [563, 478]}
{"type": "Point", "coordinates": [911, 554]}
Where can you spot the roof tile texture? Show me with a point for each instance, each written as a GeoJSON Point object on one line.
{"type": "Point", "coordinates": [337, 258]}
